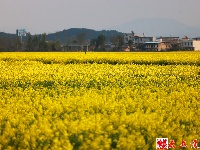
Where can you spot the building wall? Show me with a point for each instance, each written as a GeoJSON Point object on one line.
{"type": "Point", "coordinates": [152, 46]}
{"type": "Point", "coordinates": [187, 44]}
{"type": "Point", "coordinates": [142, 40]}
{"type": "Point", "coordinates": [127, 37]}
{"type": "Point", "coordinates": [147, 39]}
{"type": "Point", "coordinates": [137, 39]}
{"type": "Point", "coordinates": [172, 40]}
{"type": "Point", "coordinates": [157, 46]}
{"type": "Point", "coordinates": [162, 47]}
{"type": "Point", "coordinates": [191, 44]}
{"type": "Point", "coordinates": [196, 45]}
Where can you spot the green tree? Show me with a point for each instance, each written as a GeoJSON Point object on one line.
{"type": "Point", "coordinates": [93, 42]}
{"type": "Point", "coordinates": [43, 44]}
{"type": "Point", "coordinates": [35, 43]}
{"type": "Point", "coordinates": [113, 40]}
{"type": "Point", "coordinates": [120, 41]}
{"type": "Point", "coordinates": [101, 41]}
{"type": "Point", "coordinates": [130, 43]}
{"type": "Point", "coordinates": [54, 45]}
{"type": "Point", "coordinates": [51, 46]}
{"type": "Point", "coordinates": [18, 44]}
{"type": "Point", "coordinates": [2, 44]}
{"type": "Point", "coordinates": [29, 42]}
{"type": "Point", "coordinates": [117, 40]}
{"type": "Point", "coordinates": [80, 39]}
{"type": "Point", "coordinates": [57, 45]}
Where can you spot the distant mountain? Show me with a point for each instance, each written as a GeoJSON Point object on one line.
{"type": "Point", "coordinates": [73, 32]}
{"type": "Point", "coordinates": [158, 27]}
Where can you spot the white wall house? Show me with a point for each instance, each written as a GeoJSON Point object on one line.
{"type": "Point", "coordinates": [191, 44]}
{"type": "Point", "coordinates": [129, 36]}
{"type": "Point", "coordinates": [137, 39]}
{"type": "Point", "coordinates": [142, 40]}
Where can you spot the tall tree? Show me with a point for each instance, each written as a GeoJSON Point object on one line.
{"type": "Point", "coordinates": [113, 40]}
{"type": "Point", "coordinates": [93, 42]}
{"type": "Point", "coordinates": [35, 42]}
{"type": "Point", "coordinates": [2, 44]}
{"type": "Point", "coordinates": [101, 41]}
{"type": "Point", "coordinates": [117, 40]}
{"type": "Point", "coordinates": [120, 41]}
{"type": "Point", "coordinates": [18, 44]}
{"type": "Point", "coordinates": [57, 45]}
{"type": "Point", "coordinates": [43, 44]}
{"type": "Point", "coordinates": [80, 39]}
{"type": "Point", "coordinates": [29, 42]}
{"type": "Point", "coordinates": [130, 43]}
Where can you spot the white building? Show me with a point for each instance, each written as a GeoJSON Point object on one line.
{"type": "Point", "coordinates": [142, 39]}
{"type": "Point", "coordinates": [137, 39]}
{"type": "Point", "coordinates": [191, 44]}
{"type": "Point", "coordinates": [128, 37]}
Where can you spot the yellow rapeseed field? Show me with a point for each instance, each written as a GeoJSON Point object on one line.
{"type": "Point", "coordinates": [98, 101]}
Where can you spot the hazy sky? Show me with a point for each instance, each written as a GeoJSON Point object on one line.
{"type": "Point", "coordinates": [39, 16]}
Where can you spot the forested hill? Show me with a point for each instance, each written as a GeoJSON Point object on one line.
{"type": "Point", "coordinates": [89, 34]}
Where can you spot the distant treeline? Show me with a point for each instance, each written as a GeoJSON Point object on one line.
{"type": "Point", "coordinates": [55, 41]}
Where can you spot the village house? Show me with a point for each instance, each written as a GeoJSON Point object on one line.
{"type": "Point", "coordinates": [137, 39]}
{"type": "Point", "coordinates": [190, 44]}
{"type": "Point", "coordinates": [172, 40]}
{"type": "Point", "coordinates": [150, 43]}
{"type": "Point", "coordinates": [157, 46]}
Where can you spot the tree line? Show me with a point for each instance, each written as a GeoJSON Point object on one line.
{"type": "Point", "coordinates": [40, 43]}
{"type": "Point", "coordinates": [100, 42]}
{"type": "Point", "coordinates": [29, 43]}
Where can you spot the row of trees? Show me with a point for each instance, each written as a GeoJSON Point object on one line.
{"type": "Point", "coordinates": [99, 43]}
{"type": "Point", "coordinates": [9, 43]}
{"type": "Point", "coordinates": [39, 43]}
{"type": "Point", "coordinates": [28, 43]}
